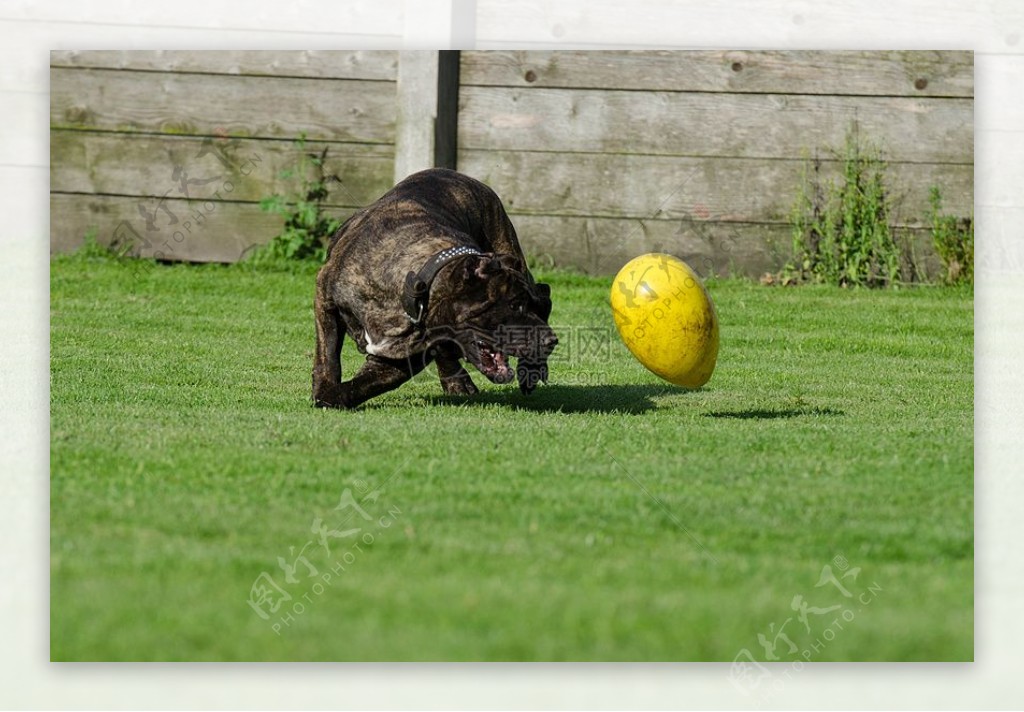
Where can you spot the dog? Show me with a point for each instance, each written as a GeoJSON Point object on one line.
{"type": "Point", "coordinates": [432, 271]}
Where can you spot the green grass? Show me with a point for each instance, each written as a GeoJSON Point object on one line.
{"type": "Point", "coordinates": [607, 517]}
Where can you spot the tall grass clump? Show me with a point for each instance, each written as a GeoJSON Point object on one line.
{"type": "Point", "coordinates": [842, 227]}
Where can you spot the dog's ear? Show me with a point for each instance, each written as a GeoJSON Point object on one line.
{"type": "Point", "coordinates": [488, 265]}
{"type": "Point", "coordinates": [509, 262]}
{"type": "Point", "coordinates": [542, 299]}
{"type": "Point", "coordinates": [476, 267]}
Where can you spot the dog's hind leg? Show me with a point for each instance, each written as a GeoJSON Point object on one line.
{"type": "Point", "coordinates": [330, 333]}
{"type": "Point", "coordinates": [454, 378]}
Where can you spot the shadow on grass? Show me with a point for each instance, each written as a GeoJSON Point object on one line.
{"type": "Point", "coordinates": [568, 399]}
{"type": "Point", "coordinates": [771, 414]}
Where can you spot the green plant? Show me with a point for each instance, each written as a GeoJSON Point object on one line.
{"type": "Point", "coordinates": [92, 249]}
{"type": "Point", "coordinates": [307, 228]}
{"type": "Point", "coordinates": [842, 229]}
{"type": "Point", "coordinates": [953, 237]}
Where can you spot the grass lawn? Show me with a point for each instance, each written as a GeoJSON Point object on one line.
{"type": "Point", "coordinates": [607, 517]}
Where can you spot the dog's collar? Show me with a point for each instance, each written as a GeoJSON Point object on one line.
{"type": "Point", "coordinates": [417, 284]}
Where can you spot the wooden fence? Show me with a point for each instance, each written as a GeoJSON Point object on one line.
{"type": "Point", "coordinates": [599, 156]}
{"type": "Point", "coordinates": [174, 150]}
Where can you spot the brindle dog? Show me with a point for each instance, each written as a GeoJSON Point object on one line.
{"type": "Point", "coordinates": [432, 271]}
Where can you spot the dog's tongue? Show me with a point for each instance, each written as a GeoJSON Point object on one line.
{"type": "Point", "coordinates": [504, 373]}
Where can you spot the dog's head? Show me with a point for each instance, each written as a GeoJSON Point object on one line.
{"type": "Point", "coordinates": [493, 310]}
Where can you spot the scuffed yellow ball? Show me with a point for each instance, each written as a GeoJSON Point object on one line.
{"type": "Point", "coordinates": [666, 318]}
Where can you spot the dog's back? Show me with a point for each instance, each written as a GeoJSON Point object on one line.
{"type": "Point", "coordinates": [439, 199]}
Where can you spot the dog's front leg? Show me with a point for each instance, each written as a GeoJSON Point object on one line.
{"type": "Point", "coordinates": [378, 375]}
{"type": "Point", "coordinates": [454, 378]}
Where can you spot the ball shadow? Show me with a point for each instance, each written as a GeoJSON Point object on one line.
{"type": "Point", "coordinates": [773, 414]}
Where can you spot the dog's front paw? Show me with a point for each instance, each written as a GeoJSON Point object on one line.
{"type": "Point", "coordinates": [459, 385]}
{"type": "Point", "coordinates": [330, 395]}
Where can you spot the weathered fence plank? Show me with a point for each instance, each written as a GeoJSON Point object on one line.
{"type": "Point", "coordinates": [603, 245]}
{"type": "Point", "coordinates": [594, 245]}
{"type": "Point", "coordinates": [861, 73]}
{"type": "Point", "coordinates": [672, 187]}
{"type": "Point", "coordinates": [706, 124]}
{"type": "Point", "coordinates": [225, 232]}
{"type": "Point", "coordinates": [144, 165]}
{"type": "Point", "coordinates": [315, 64]}
{"type": "Point", "coordinates": [196, 104]}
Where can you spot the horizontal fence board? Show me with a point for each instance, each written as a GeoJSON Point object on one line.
{"type": "Point", "coordinates": [594, 245]}
{"type": "Point", "coordinates": [642, 186]}
{"type": "Point", "coordinates": [194, 104]}
{"type": "Point", "coordinates": [705, 124]}
{"type": "Point", "coordinates": [315, 64]}
{"type": "Point", "coordinates": [604, 245]}
{"type": "Point", "coordinates": [225, 233]}
{"type": "Point", "coordinates": [145, 165]}
{"type": "Point", "coordinates": [892, 73]}
{"type": "Point", "coordinates": [24, 38]}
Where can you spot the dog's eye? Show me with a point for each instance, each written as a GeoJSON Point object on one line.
{"type": "Point", "coordinates": [521, 308]}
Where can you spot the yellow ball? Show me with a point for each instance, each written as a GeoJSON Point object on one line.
{"type": "Point", "coordinates": [666, 318]}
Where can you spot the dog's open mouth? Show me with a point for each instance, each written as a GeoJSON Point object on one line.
{"type": "Point", "coordinates": [493, 364]}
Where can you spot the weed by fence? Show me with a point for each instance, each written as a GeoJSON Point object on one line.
{"type": "Point", "coordinates": [307, 228]}
{"type": "Point", "coordinates": [842, 229]}
{"type": "Point", "coordinates": [953, 237]}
